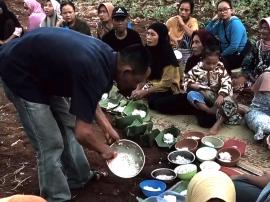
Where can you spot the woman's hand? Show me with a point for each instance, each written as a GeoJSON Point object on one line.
{"type": "Point", "coordinates": [180, 20]}
{"type": "Point", "coordinates": [215, 18]}
{"type": "Point", "coordinates": [195, 86]}
{"type": "Point", "coordinates": [139, 94]}
{"type": "Point", "coordinates": [219, 100]}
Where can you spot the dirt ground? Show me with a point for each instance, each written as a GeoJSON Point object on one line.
{"type": "Point", "coordinates": [18, 171]}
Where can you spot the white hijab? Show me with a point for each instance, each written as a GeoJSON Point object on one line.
{"type": "Point", "coordinates": [51, 21]}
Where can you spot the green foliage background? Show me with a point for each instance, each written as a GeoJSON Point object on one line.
{"type": "Point", "coordinates": [249, 11]}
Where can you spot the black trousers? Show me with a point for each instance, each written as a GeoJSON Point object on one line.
{"type": "Point", "coordinates": [168, 103]}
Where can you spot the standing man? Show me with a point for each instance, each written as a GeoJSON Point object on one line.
{"type": "Point", "coordinates": [182, 26]}
{"type": "Point", "coordinates": [48, 64]}
{"type": "Point", "coordinates": [121, 36]}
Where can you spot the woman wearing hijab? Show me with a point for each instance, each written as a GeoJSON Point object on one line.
{"type": "Point", "coordinates": [200, 40]}
{"type": "Point", "coordinates": [164, 80]}
{"type": "Point", "coordinates": [214, 186]}
{"type": "Point", "coordinates": [35, 13]}
{"type": "Point", "coordinates": [258, 60]}
{"type": "Point", "coordinates": [105, 15]}
{"type": "Point", "coordinates": [10, 27]}
{"type": "Point", "coordinates": [258, 118]}
{"type": "Point", "coordinates": [52, 11]}
{"type": "Point", "coordinates": [252, 188]}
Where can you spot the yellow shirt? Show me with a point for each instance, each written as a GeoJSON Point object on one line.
{"type": "Point", "coordinates": [176, 31]}
{"type": "Point", "coordinates": [170, 80]}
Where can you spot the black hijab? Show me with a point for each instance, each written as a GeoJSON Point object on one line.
{"type": "Point", "coordinates": [6, 15]}
{"type": "Point", "coordinates": [162, 54]}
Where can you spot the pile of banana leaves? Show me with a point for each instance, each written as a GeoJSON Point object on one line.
{"type": "Point", "coordinates": [134, 119]}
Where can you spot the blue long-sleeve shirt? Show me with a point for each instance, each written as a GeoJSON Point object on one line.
{"type": "Point", "coordinates": [235, 32]}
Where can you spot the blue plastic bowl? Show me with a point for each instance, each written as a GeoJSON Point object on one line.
{"type": "Point", "coordinates": [155, 184]}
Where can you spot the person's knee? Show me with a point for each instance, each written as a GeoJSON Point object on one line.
{"type": "Point", "coordinates": [246, 191]}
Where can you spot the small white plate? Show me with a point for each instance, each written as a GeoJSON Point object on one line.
{"type": "Point", "coordinates": [178, 54]}
{"type": "Point", "coordinates": [210, 165]}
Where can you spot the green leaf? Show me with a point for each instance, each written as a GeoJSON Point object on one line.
{"type": "Point", "coordinates": [123, 122]}
{"type": "Point", "coordinates": [148, 139]}
{"type": "Point", "coordinates": [139, 105]}
{"type": "Point", "coordinates": [137, 128]}
{"type": "Point", "coordinates": [172, 130]}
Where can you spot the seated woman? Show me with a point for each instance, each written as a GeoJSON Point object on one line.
{"type": "Point", "coordinates": [231, 32]}
{"type": "Point", "coordinates": [252, 188]}
{"type": "Point", "coordinates": [52, 11]}
{"type": "Point", "coordinates": [10, 27]}
{"type": "Point", "coordinates": [105, 15]}
{"type": "Point", "coordinates": [70, 21]}
{"type": "Point", "coordinates": [214, 186]}
{"type": "Point", "coordinates": [164, 80]}
{"type": "Point", "coordinates": [210, 89]}
{"type": "Point", "coordinates": [257, 60]}
{"type": "Point", "coordinates": [182, 26]}
{"type": "Point", "coordinates": [35, 14]}
{"type": "Point", "coordinates": [258, 118]}
{"type": "Point", "coordinates": [200, 40]}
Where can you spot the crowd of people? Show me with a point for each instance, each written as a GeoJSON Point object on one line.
{"type": "Point", "coordinates": [56, 88]}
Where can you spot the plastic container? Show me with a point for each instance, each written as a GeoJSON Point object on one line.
{"type": "Point", "coordinates": [157, 185]}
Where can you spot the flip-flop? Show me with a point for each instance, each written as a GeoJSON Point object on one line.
{"type": "Point", "coordinates": [97, 174]}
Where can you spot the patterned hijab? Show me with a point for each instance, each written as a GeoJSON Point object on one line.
{"type": "Point", "coordinates": [265, 44]}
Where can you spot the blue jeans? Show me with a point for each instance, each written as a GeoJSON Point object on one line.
{"type": "Point", "coordinates": [61, 161]}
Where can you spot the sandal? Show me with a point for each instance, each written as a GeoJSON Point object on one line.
{"type": "Point", "coordinates": [97, 175]}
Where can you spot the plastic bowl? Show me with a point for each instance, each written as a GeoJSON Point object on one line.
{"type": "Point", "coordinates": [196, 135]}
{"type": "Point", "coordinates": [189, 144]}
{"type": "Point", "coordinates": [163, 172]}
{"type": "Point", "coordinates": [186, 172]}
{"type": "Point", "coordinates": [157, 185]}
{"type": "Point", "coordinates": [210, 165]}
{"type": "Point", "coordinates": [172, 157]}
{"type": "Point", "coordinates": [127, 151]}
{"type": "Point", "coordinates": [211, 141]}
{"type": "Point", "coordinates": [235, 156]}
{"type": "Point", "coordinates": [206, 154]}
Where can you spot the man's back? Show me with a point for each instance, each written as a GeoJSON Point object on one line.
{"type": "Point", "coordinates": [50, 61]}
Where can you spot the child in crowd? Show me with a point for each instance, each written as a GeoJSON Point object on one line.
{"type": "Point", "coordinates": [210, 88]}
